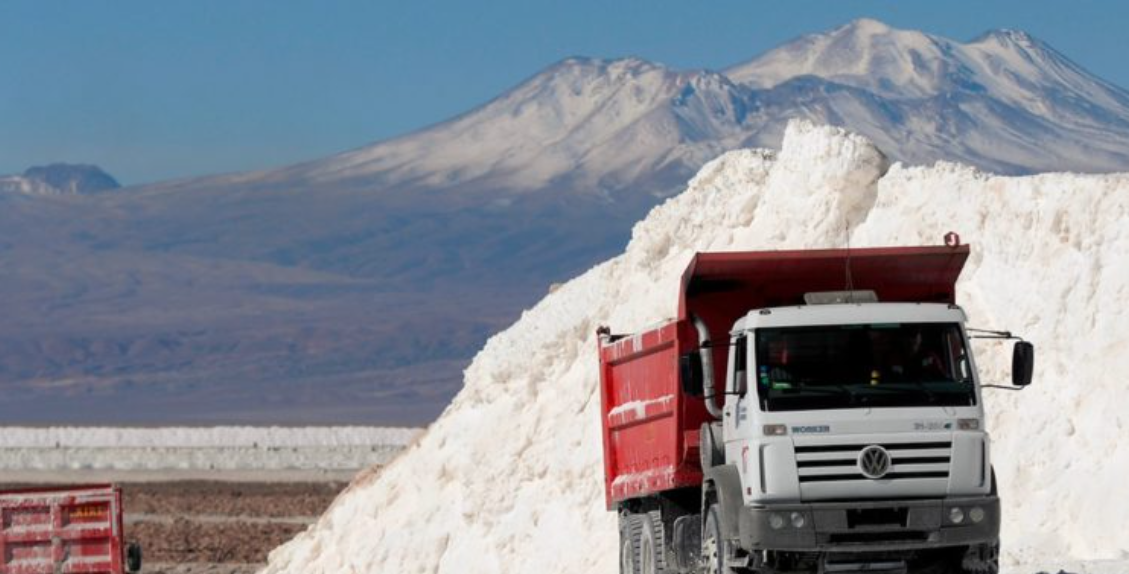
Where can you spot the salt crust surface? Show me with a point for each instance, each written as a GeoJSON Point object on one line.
{"type": "Point", "coordinates": [509, 479]}
{"type": "Point", "coordinates": [227, 448]}
{"type": "Point", "coordinates": [198, 437]}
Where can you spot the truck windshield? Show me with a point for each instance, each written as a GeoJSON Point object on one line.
{"type": "Point", "coordinates": [860, 366]}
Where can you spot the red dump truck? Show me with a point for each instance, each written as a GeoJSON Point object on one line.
{"type": "Point", "coordinates": [64, 530]}
{"type": "Point", "coordinates": [808, 411]}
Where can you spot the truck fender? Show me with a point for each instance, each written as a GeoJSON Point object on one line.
{"type": "Point", "coordinates": [725, 483]}
{"type": "Point", "coordinates": [711, 452]}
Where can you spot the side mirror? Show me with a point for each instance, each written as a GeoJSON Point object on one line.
{"type": "Point", "coordinates": [1022, 363]}
{"type": "Point", "coordinates": [690, 374]}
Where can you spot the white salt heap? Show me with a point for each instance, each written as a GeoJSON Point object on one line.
{"type": "Point", "coordinates": [509, 479]}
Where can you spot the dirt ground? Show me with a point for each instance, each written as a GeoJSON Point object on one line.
{"type": "Point", "coordinates": [199, 527]}
{"type": "Point", "coordinates": [201, 568]}
{"type": "Point", "coordinates": [217, 527]}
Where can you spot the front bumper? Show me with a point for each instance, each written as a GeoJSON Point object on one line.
{"type": "Point", "coordinates": [870, 526]}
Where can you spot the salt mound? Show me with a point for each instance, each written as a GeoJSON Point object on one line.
{"type": "Point", "coordinates": [509, 479]}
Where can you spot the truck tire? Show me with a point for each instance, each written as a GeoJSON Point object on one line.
{"type": "Point", "coordinates": [652, 544]}
{"type": "Point", "coordinates": [133, 557]}
{"type": "Point", "coordinates": [630, 536]}
{"type": "Point", "coordinates": [715, 548]}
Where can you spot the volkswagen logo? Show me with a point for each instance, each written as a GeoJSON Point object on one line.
{"type": "Point", "coordinates": [874, 462]}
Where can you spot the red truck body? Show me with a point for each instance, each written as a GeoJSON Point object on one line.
{"type": "Point", "coordinates": [650, 427]}
{"type": "Point", "coordinates": [67, 530]}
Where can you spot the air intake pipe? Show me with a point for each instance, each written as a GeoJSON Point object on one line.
{"type": "Point", "coordinates": [705, 353]}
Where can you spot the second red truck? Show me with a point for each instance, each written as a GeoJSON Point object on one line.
{"type": "Point", "coordinates": [65, 530]}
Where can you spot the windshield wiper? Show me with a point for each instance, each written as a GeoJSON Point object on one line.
{"type": "Point", "coordinates": [838, 389]}
{"type": "Point", "coordinates": [918, 386]}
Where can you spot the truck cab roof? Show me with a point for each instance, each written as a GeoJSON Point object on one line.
{"type": "Point", "coordinates": [849, 314]}
{"type": "Point", "coordinates": [719, 288]}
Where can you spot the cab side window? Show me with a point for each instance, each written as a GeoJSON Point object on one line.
{"type": "Point", "coordinates": [740, 365]}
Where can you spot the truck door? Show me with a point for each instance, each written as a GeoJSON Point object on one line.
{"type": "Point", "coordinates": [736, 412]}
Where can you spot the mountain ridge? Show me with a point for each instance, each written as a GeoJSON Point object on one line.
{"type": "Point", "coordinates": [60, 179]}
{"type": "Point", "coordinates": [385, 159]}
{"type": "Point", "coordinates": [522, 159]}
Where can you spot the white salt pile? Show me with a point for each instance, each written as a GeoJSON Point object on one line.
{"type": "Point", "coordinates": [509, 480]}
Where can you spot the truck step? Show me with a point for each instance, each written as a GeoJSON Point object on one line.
{"type": "Point", "coordinates": [882, 567]}
{"type": "Point", "coordinates": [738, 562]}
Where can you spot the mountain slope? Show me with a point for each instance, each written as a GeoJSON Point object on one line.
{"type": "Point", "coordinates": [354, 288]}
{"type": "Point", "coordinates": [595, 127]}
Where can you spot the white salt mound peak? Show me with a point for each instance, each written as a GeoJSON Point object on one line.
{"type": "Point", "coordinates": [510, 478]}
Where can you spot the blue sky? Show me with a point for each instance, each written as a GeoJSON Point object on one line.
{"type": "Point", "coordinates": [157, 90]}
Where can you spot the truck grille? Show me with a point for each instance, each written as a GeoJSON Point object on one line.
{"type": "Point", "coordinates": [839, 462]}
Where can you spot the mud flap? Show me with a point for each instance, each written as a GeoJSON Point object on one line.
{"type": "Point", "coordinates": [687, 541]}
{"type": "Point", "coordinates": [982, 559]}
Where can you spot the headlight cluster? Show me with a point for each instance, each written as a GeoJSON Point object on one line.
{"type": "Point", "coordinates": [777, 521]}
{"type": "Point", "coordinates": [957, 515]}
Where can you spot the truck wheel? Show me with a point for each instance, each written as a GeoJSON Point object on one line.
{"type": "Point", "coordinates": [630, 535]}
{"type": "Point", "coordinates": [652, 547]}
{"type": "Point", "coordinates": [714, 547]}
{"type": "Point", "coordinates": [133, 557]}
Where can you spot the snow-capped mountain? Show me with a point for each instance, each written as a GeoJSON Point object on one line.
{"type": "Point", "coordinates": [354, 288]}
{"type": "Point", "coordinates": [595, 128]}
{"type": "Point", "coordinates": [1009, 65]}
{"type": "Point", "coordinates": [59, 179]}
{"type": "Point", "coordinates": [596, 125]}
{"type": "Point", "coordinates": [1005, 101]}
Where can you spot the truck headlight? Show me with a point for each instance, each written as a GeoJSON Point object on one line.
{"type": "Point", "coordinates": [798, 520]}
{"type": "Point", "coordinates": [976, 514]}
{"type": "Point", "coordinates": [956, 515]}
{"type": "Point", "coordinates": [775, 430]}
{"type": "Point", "coordinates": [968, 424]}
{"type": "Point", "coordinates": [776, 521]}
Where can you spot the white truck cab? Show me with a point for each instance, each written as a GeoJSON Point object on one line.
{"type": "Point", "coordinates": [858, 423]}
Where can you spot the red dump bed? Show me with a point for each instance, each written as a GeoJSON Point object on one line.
{"type": "Point", "coordinates": [61, 531]}
{"type": "Point", "coordinates": [650, 427]}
